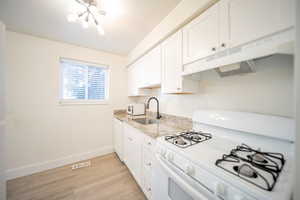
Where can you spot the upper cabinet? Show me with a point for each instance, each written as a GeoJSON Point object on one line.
{"type": "Point", "coordinates": [230, 31]}
{"type": "Point", "coordinates": [201, 36]}
{"type": "Point", "coordinates": [244, 21]}
{"type": "Point", "coordinates": [172, 80]}
{"type": "Point", "coordinates": [237, 23]}
{"type": "Point", "coordinates": [135, 78]}
{"type": "Point", "coordinates": [151, 68]}
{"type": "Point", "coordinates": [145, 73]}
{"type": "Point", "coordinates": [132, 89]}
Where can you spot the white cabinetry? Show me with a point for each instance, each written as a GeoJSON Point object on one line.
{"type": "Point", "coordinates": [138, 156]}
{"type": "Point", "coordinates": [133, 151]}
{"type": "Point", "coordinates": [151, 68]}
{"type": "Point", "coordinates": [135, 78]}
{"type": "Point", "coordinates": [145, 73]}
{"type": "Point", "coordinates": [147, 164]}
{"type": "Point", "coordinates": [118, 137]}
{"type": "Point", "coordinates": [172, 68]}
{"type": "Point", "coordinates": [132, 83]}
{"type": "Point", "coordinates": [236, 30]}
{"type": "Point", "coordinates": [249, 20]}
{"type": "Point", "coordinates": [201, 36]}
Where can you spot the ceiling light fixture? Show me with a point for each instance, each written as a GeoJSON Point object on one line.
{"type": "Point", "coordinates": [86, 12]}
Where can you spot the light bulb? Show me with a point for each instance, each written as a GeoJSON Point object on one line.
{"type": "Point", "coordinates": [84, 24]}
{"type": "Point", "coordinates": [72, 17]}
{"type": "Point", "coordinates": [100, 30]}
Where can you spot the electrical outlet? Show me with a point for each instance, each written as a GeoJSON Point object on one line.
{"type": "Point", "coordinates": [81, 165]}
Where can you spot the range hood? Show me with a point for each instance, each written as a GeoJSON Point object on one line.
{"type": "Point", "coordinates": [236, 69]}
{"type": "Point", "coordinates": [280, 43]}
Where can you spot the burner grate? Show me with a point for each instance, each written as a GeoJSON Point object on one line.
{"type": "Point", "coordinates": [189, 138]}
{"type": "Point", "coordinates": [268, 158]}
{"type": "Point", "coordinates": [250, 165]}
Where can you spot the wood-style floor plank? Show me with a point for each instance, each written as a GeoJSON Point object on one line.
{"type": "Point", "coordinates": [106, 179]}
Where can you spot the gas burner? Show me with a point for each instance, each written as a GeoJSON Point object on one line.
{"type": "Point", "coordinates": [195, 137]}
{"type": "Point", "coordinates": [257, 157]}
{"type": "Point", "coordinates": [245, 170]}
{"type": "Point", "coordinates": [259, 168]}
{"type": "Point", "coordinates": [188, 138]}
{"type": "Point", "coordinates": [179, 141]}
{"type": "Point", "coordinates": [267, 160]}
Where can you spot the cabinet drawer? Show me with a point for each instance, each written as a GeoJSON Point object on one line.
{"type": "Point", "coordinates": [149, 143]}
{"type": "Point", "coordinates": [147, 186]}
{"type": "Point", "coordinates": [147, 161]}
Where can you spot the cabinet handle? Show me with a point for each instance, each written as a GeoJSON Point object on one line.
{"type": "Point", "coordinates": [149, 189]}
{"type": "Point", "coordinates": [223, 45]}
{"type": "Point", "coordinates": [178, 88]}
{"type": "Point", "coordinates": [214, 49]}
{"type": "Point", "coordinates": [130, 139]}
{"type": "Point", "coordinates": [149, 143]}
{"type": "Point", "coordinates": [149, 164]}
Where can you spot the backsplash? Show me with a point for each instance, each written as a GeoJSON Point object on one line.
{"type": "Point", "coordinates": [269, 90]}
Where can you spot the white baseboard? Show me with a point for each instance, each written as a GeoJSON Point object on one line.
{"type": "Point", "coordinates": [42, 166]}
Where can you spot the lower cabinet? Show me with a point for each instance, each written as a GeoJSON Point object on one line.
{"type": "Point", "coordinates": [147, 164]}
{"type": "Point", "coordinates": [118, 137]}
{"type": "Point", "coordinates": [138, 156]}
{"type": "Point", "coordinates": [133, 151]}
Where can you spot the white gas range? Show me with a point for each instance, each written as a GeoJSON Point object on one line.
{"type": "Point", "coordinates": [228, 156]}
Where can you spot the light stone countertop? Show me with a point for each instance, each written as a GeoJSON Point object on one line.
{"type": "Point", "coordinates": [168, 125]}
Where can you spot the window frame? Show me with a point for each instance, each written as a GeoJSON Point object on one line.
{"type": "Point", "coordinates": [62, 101]}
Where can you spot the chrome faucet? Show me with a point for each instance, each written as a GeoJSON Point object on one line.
{"type": "Point", "coordinates": [158, 116]}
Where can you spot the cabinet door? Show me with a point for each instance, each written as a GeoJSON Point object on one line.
{"type": "Point", "coordinates": [118, 137]}
{"type": "Point", "coordinates": [172, 63]}
{"type": "Point", "coordinates": [133, 155]}
{"type": "Point", "coordinates": [201, 36]}
{"type": "Point", "coordinates": [135, 80]}
{"type": "Point", "coordinates": [150, 68]}
{"type": "Point", "coordinates": [154, 66]}
{"type": "Point", "coordinates": [253, 19]}
{"type": "Point", "coordinates": [132, 81]}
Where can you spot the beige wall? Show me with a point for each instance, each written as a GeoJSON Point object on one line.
{"type": "Point", "coordinates": [269, 91]}
{"type": "Point", "coordinates": [2, 113]}
{"type": "Point", "coordinates": [297, 102]}
{"type": "Point", "coordinates": [185, 10]}
{"type": "Point", "coordinates": [41, 133]}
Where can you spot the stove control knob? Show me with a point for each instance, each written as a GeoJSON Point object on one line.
{"type": "Point", "coordinates": [221, 190]}
{"type": "Point", "coordinates": [170, 156]}
{"type": "Point", "coordinates": [189, 170]}
{"type": "Point", "coordinates": [163, 152]}
{"type": "Point", "coordinates": [239, 197]}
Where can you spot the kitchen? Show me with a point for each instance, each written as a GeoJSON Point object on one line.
{"type": "Point", "coordinates": [97, 110]}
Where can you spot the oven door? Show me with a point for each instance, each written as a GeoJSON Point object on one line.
{"type": "Point", "coordinates": [171, 183]}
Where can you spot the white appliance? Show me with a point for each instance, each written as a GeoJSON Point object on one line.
{"type": "Point", "coordinates": [206, 170]}
{"type": "Point", "coordinates": [136, 109]}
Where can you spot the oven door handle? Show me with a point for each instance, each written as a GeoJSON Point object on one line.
{"type": "Point", "coordinates": [195, 194]}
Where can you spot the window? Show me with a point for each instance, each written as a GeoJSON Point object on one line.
{"type": "Point", "coordinates": [83, 82]}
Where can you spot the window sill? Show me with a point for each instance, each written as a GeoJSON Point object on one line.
{"type": "Point", "coordinates": [83, 102]}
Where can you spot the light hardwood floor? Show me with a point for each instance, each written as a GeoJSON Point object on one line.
{"type": "Point", "coordinates": [107, 179]}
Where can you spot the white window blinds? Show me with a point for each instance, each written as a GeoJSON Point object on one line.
{"type": "Point", "coordinates": [83, 81]}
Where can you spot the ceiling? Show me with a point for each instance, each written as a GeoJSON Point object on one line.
{"type": "Point", "coordinates": [126, 23]}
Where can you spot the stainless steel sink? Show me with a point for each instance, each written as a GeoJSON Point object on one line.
{"type": "Point", "coordinates": [145, 121]}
